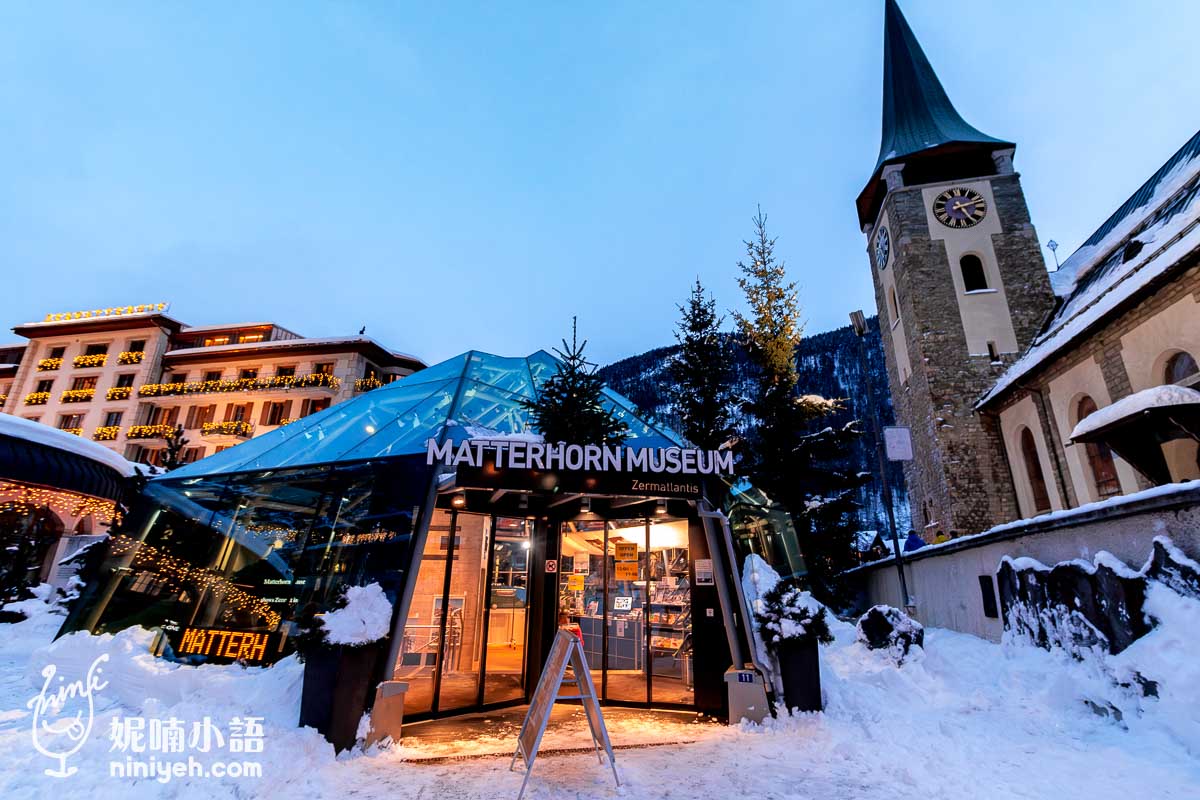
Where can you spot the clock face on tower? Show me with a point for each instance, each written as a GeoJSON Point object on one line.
{"type": "Point", "coordinates": [883, 247]}
{"type": "Point", "coordinates": [959, 208]}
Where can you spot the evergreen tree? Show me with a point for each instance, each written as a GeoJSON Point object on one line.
{"type": "Point", "coordinates": [569, 406]}
{"type": "Point", "coordinates": [781, 453]}
{"type": "Point", "coordinates": [173, 457]}
{"type": "Point", "coordinates": [702, 372]}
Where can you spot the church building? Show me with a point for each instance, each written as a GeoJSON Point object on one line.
{"type": "Point", "coordinates": [993, 361]}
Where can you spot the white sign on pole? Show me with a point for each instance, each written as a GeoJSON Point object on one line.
{"type": "Point", "coordinates": [567, 650]}
{"type": "Point", "coordinates": [897, 443]}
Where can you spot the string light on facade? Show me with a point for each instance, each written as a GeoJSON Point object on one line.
{"type": "Point", "coordinates": [233, 427]}
{"type": "Point", "coordinates": [131, 357]}
{"type": "Point", "coordinates": [367, 384]}
{"type": "Point", "coordinates": [119, 393]}
{"type": "Point", "coordinates": [78, 395]}
{"type": "Point", "coordinates": [150, 431]}
{"type": "Point", "coordinates": [48, 364]}
{"type": "Point", "coordinates": [37, 398]}
{"type": "Point", "coordinates": [24, 499]}
{"type": "Point", "coordinates": [316, 379]}
{"type": "Point", "coordinates": [178, 571]}
{"type": "Point", "coordinates": [106, 433]}
{"type": "Point", "coordinates": [93, 360]}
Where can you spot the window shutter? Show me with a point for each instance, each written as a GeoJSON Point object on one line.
{"type": "Point", "coordinates": [248, 414]}
{"type": "Point", "coordinates": [229, 412]}
{"type": "Point", "coordinates": [287, 411]}
{"type": "Point", "coordinates": [265, 416]}
{"type": "Point", "coordinates": [191, 418]}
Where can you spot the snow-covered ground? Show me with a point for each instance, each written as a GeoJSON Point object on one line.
{"type": "Point", "coordinates": [965, 719]}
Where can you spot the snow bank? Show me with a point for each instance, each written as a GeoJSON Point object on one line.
{"type": "Point", "coordinates": [366, 617]}
{"type": "Point", "coordinates": [758, 578]}
{"type": "Point", "coordinates": [1136, 403]}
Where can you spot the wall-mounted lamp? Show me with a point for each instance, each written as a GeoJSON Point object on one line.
{"type": "Point", "coordinates": [459, 499]}
{"type": "Point", "coordinates": [858, 321]}
{"type": "Point", "coordinates": [585, 505]}
{"type": "Point", "coordinates": [660, 507]}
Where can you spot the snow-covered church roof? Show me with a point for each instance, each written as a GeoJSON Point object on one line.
{"type": "Point", "coordinates": [1144, 239]}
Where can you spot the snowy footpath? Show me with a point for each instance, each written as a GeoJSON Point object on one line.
{"type": "Point", "coordinates": [965, 719]}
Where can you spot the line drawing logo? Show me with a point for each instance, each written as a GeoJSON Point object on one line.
{"type": "Point", "coordinates": [59, 733]}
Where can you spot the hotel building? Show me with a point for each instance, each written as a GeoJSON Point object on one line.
{"type": "Point", "coordinates": [127, 377]}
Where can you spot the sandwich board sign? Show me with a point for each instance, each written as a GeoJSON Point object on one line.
{"type": "Point", "coordinates": [567, 650]}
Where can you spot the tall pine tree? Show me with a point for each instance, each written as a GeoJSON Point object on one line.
{"type": "Point", "coordinates": [782, 453]}
{"type": "Point", "coordinates": [569, 406]}
{"type": "Point", "coordinates": [702, 371]}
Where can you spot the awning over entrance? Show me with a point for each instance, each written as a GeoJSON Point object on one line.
{"type": "Point", "coordinates": [1137, 426]}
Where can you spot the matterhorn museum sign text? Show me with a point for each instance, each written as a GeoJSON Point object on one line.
{"type": "Point", "coordinates": [523, 464]}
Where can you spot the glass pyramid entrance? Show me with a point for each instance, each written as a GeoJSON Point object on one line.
{"type": "Point", "coordinates": [473, 394]}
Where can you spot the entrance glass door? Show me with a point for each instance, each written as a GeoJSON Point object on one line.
{"type": "Point", "coordinates": [626, 586]}
{"type": "Point", "coordinates": [468, 617]}
{"type": "Point", "coordinates": [508, 611]}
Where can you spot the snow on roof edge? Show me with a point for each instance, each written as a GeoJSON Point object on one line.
{"type": "Point", "coordinates": [1091, 254]}
{"type": "Point", "coordinates": [36, 432]}
{"type": "Point", "coordinates": [1150, 264]}
{"type": "Point", "coordinates": [283, 343]}
{"type": "Point", "coordinates": [1154, 397]}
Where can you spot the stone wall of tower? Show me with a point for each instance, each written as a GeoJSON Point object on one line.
{"type": "Point", "coordinates": [959, 480]}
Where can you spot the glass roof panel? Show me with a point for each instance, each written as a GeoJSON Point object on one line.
{"type": "Point", "coordinates": [398, 418]}
{"type": "Point", "coordinates": [407, 431]}
{"type": "Point", "coordinates": [509, 374]}
{"type": "Point", "coordinates": [448, 370]}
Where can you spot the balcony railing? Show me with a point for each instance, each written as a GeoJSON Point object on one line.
{"type": "Point", "coordinates": [3, 400]}
{"type": "Point", "coordinates": [233, 427]}
{"type": "Point", "coordinates": [96, 360]}
{"type": "Point", "coordinates": [118, 393]}
{"type": "Point", "coordinates": [150, 432]}
{"type": "Point", "coordinates": [76, 431]}
{"type": "Point", "coordinates": [47, 364]}
{"type": "Point", "coordinates": [78, 395]}
{"type": "Point", "coordinates": [37, 398]}
{"type": "Point", "coordinates": [106, 433]}
{"type": "Point", "coordinates": [315, 380]}
{"type": "Point", "coordinates": [367, 384]}
{"type": "Point", "coordinates": [131, 357]}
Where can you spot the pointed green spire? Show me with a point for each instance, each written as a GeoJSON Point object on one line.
{"type": "Point", "coordinates": [917, 114]}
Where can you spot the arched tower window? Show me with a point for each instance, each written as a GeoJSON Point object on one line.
{"type": "Point", "coordinates": [1181, 368]}
{"type": "Point", "coordinates": [1033, 469]}
{"type": "Point", "coordinates": [973, 276]}
{"type": "Point", "coordinates": [893, 304]}
{"type": "Point", "coordinates": [1099, 456]}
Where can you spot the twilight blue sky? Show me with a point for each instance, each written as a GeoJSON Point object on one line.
{"type": "Point", "coordinates": [460, 176]}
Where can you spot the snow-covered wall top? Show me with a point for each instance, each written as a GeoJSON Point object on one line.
{"type": "Point", "coordinates": [1187, 493]}
{"type": "Point", "coordinates": [38, 433]}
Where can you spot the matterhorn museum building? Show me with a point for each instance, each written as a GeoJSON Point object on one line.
{"type": "Point", "coordinates": [485, 539]}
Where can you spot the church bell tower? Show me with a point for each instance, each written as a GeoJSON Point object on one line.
{"type": "Point", "coordinates": [960, 285]}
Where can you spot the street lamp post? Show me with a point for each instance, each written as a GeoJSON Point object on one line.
{"type": "Point", "coordinates": [860, 329]}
